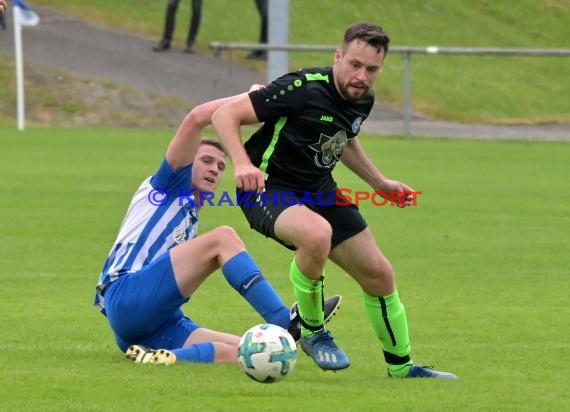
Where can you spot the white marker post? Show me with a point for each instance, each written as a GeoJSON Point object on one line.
{"type": "Point", "coordinates": [23, 16]}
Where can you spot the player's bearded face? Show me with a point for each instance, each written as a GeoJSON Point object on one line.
{"type": "Point", "coordinates": [356, 68]}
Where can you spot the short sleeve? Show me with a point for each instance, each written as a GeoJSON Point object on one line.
{"type": "Point", "coordinates": [168, 179]}
{"type": "Point", "coordinates": [286, 96]}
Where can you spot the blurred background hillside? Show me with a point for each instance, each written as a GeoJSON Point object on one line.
{"type": "Point", "coordinates": [476, 89]}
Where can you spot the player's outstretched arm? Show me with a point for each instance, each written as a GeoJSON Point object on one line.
{"type": "Point", "coordinates": [183, 147]}
{"type": "Point", "coordinates": [3, 6]}
{"type": "Point", "coordinates": [355, 158]}
{"type": "Point", "coordinates": [227, 121]}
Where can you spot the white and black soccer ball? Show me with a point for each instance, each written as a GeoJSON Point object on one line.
{"type": "Point", "coordinates": [267, 353]}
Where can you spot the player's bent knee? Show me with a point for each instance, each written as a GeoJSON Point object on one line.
{"type": "Point", "coordinates": [378, 283]}
{"type": "Point", "coordinates": [317, 241]}
{"type": "Point", "coordinates": [227, 235]}
{"type": "Point", "coordinates": [384, 270]}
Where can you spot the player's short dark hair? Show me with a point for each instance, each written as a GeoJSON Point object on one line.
{"type": "Point", "coordinates": [215, 144]}
{"type": "Point", "coordinates": [369, 33]}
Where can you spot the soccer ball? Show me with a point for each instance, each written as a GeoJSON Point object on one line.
{"type": "Point", "coordinates": [267, 353]}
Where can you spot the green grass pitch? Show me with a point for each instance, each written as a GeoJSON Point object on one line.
{"type": "Point", "coordinates": [482, 266]}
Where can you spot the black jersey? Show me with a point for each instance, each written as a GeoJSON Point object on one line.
{"type": "Point", "coordinates": [306, 126]}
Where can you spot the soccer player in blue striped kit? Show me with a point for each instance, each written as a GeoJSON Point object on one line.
{"type": "Point", "coordinates": [157, 261]}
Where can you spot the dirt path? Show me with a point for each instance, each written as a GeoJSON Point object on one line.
{"type": "Point", "coordinates": [70, 44]}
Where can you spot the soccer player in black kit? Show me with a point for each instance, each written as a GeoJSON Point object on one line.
{"type": "Point", "coordinates": [311, 121]}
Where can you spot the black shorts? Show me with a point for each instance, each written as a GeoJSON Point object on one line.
{"type": "Point", "coordinates": [262, 212]}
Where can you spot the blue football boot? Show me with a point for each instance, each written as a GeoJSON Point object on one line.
{"type": "Point", "coordinates": [326, 354]}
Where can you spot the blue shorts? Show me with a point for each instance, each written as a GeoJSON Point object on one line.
{"type": "Point", "coordinates": [143, 308]}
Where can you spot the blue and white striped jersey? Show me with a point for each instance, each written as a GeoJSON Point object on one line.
{"type": "Point", "coordinates": [162, 214]}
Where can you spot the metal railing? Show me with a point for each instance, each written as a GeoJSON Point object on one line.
{"type": "Point", "coordinates": [406, 51]}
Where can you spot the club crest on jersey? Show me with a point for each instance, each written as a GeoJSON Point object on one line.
{"type": "Point", "coordinates": [329, 149]}
{"type": "Point", "coordinates": [179, 235]}
{"type": "Point", "coordinates": [356, 124]}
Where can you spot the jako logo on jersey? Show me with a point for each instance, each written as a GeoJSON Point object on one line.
{"type": "Point", "coordinates": [356, 124]}
{"type": "Point", "coordinates": [326, 118]}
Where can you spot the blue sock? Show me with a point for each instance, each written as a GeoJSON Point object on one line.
{"type": "Point", "coordinates": [243, 275]}
{"type": "Point", "coordinates": [199, 352]}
